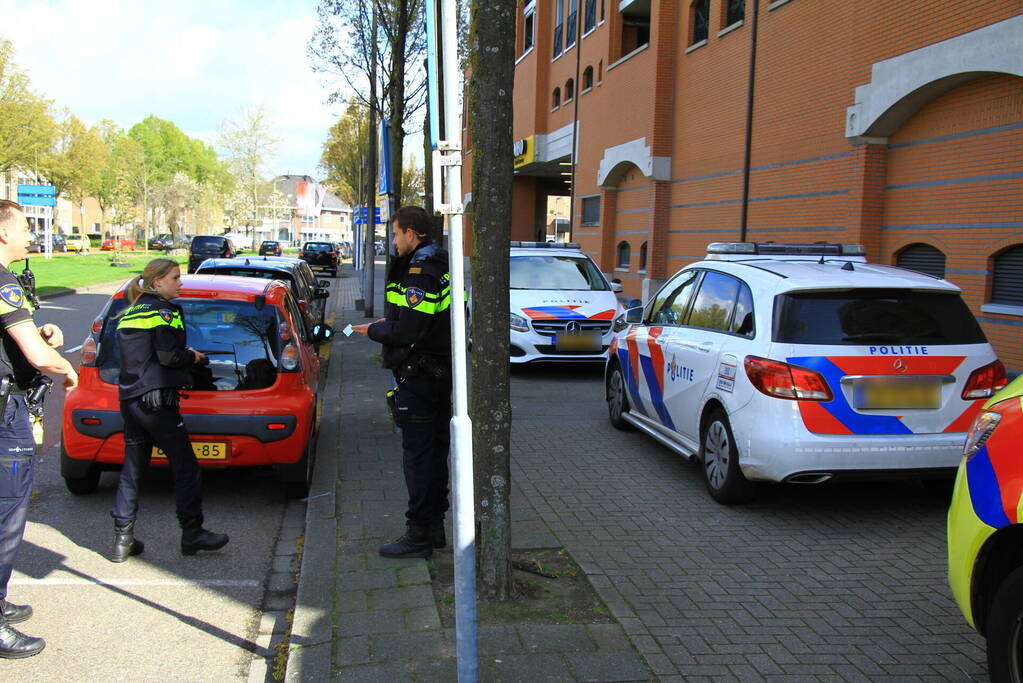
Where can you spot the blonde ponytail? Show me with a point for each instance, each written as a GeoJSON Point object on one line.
{"type": "Point", "coordinates": [154, 270]}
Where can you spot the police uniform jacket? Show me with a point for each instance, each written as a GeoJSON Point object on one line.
{"type": "Point", "coordinates": [417, 308]}
{"type": "Point", "coordinates": [15, 309]}
{"type": "Point", "coordinates": [151, 337]}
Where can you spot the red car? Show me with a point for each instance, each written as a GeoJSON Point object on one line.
{"type": "Point", "coordinates": [124, 243]}
{"type": "Point", "coordinates": [253, 405]}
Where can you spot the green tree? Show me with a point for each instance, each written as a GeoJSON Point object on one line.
{"type": "Point", "coordinates": [27, 130]}
{"type": "Point", "coordinates": [249, 144]}
{"type": "Point", "coordinates": [75, 162]}
{"type": "Point", "coordinates": [344, 153]}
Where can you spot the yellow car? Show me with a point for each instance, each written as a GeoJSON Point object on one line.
{"type": "Point", "coordinates": [985, 531]}
{"type": "Point", "coordinates": [78, 243]}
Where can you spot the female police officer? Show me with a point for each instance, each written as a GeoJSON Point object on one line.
{"type": "Point", "coordinates": [154, 365]}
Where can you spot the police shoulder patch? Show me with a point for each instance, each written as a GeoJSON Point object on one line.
{"type": "Point", "coordinates": [414, 296]}
{"type": "Point", "coordinates": [166, 315]}
{"type": "Point", "coordinates": [12, 295]}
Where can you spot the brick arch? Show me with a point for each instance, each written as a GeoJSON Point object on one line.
{"type": "Point", "coordinates": [635, 153]}
{"type": "Point", "coordinates": [897, 245]}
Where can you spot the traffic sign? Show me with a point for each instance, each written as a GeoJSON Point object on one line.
{"type": "Point", "coordinates": [360, 216]}
{"type": "Point", "coordinates": [37, 195]}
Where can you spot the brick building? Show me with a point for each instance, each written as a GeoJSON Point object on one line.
{"type": "Point", "coordinates": [894, 124]}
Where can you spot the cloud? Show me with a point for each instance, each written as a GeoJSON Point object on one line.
{"type": "Point", "coordinates": [192, 62]}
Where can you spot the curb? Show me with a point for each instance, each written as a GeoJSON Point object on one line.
{"type": "Point", "coordinates": [87, 289]}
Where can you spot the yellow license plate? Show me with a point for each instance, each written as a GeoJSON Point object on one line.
{"type": "Point", "coordinates": [204, 450]}
{"type": "Point", "coordinates": [578, 341]}
{"type": "Point", "coordinates": [899, 395]}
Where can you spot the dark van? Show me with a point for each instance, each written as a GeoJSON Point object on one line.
{"type": "Point", "coordinates": [209, 246]}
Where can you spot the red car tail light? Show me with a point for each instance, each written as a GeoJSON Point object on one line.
{"type": "Point", "coordinates": [985, 382]}
{"type": "Point", "coordinates": [90, 421]}
{"type": "Point", "coordinates": [289, 358]}
{"type": "Point", "coordinates": [782, 380]}
{"type": "Point", "coordinates": [97, 325]}
{"type": "Point", "coordinates": [276, 425]}
{"type": "Point", "coordinates": [89, 351]}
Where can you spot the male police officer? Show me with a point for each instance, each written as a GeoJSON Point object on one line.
{"type": "Point", "coordinates": [416, 335]}
{"type": "Point", "coordinates": [24, 351]}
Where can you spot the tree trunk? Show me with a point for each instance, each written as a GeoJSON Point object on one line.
{"type": "Point", "coordinates": [397, 93]}
{"type": "Point", "coordinates": [492, 64]}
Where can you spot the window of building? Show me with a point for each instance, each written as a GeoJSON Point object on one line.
{"type": "Point", "coordinates": [556, 100]}
{"type": "Point", "coordinates": [699, 21]}
{"type": "Point", "coordinates": [624, 255]}
{"type": "Point", "coordinates": [600, 71]}
{"type": "Point", "coordinates": [569, 90]}
{"type": "Point", "coordinates": [635, 27]}
{"type": "Point", "coordinates": [591, 210]}
{"type": "Point", "coordinates": [587, 78]}
{"type": "Point", "coordinates": [590, 16]}
{"type": "Point", "coordinates": [602, 11]}
{"type": "Point", "coordinates": [1007, 282]}
{"type": "Point", "coordinates": [733, 11]}
{"type": "Point", "coordinates": [642, 257]}
{"type": "Point", "coordinates": [570, 24]}
{"type": "Point", "coordinates": [559, 18]}
{"type": "Point", "coordinates": [922, 258]}
{"type": "Point", "coordinates": [528, 26]}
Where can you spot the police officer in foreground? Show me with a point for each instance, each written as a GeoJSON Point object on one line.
{"type": "Point", "coordinates": [25, 352]}
{"type": "Point", "coordinates": [416, 335]}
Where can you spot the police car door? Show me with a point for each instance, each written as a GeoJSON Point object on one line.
{"type": "Point", "coordinates": [698, 349]}
{"type": "Point", "coordinates": [645, 348]}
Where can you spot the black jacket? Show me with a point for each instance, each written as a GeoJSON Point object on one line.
{"type": "Point", "coordinates": [417, 308]}
{"type": "Point", "coordinates": [151, 338]}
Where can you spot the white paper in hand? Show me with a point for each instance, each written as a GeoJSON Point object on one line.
{"type": "Point", "coordinates": [348, 330]}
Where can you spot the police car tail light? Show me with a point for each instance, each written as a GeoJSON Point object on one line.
{"type": "Point", "coordinates": [782, 380]}
{"type": "Point", "coordinates": [89, 352]}
{"type": "Point", "coordinates": [985, 382]}
{"type": "Point", "coordinates": [983, 426]}
{"type": "Point", "coordinates": [289, 358]}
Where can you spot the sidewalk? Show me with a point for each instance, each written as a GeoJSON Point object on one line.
{"type": "Point", "coordinates": [361, 617]}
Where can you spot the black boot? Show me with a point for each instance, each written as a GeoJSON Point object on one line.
{"type": "Point", "coordinates": [15, 645]}
{"type": "Point", "coordinates": [125, 544]}
{"type": "Point", "coordinates": [414, 543]}
{"type": "Point", "coordinates": [194, 538]}
{"type": "Point", "coordinates": [14, 614]}
{"type": "Point", "coordinates": [438, 539]}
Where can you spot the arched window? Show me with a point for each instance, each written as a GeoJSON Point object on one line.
{"type": "Point", "coordinates": [569, 90]}
{"type": "Point", "coordinates": [588, 78]}
{"type": "Point", "coordinates": [922, 258]}
{"type": "Point", "coordinates": [699, 21]}
{"type": "Point", "coordinates": [624, 255]}
{"type": "Point", "coordinates": [1007, 281]}
{"type": "Point", "coordinates": [642, 257]}
{"type": "Point", "coordinates": [556, 101]}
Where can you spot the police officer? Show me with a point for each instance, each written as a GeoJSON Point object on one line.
{"type": "Point", "coordinates": [25, 350]}
{"type": "Point", "coordinates": [416, 336]}
{"type": "Point", "coordinates": [154, 364]}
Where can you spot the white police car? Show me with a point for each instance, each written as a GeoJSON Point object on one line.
{"type": "Point", "coordinates": [562, 307]}
{"type": "Point", "coordinates": [801, 363]}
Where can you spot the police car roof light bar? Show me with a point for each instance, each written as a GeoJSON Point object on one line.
{"type": "Point", "coordinates": [767, 248]}
{"type": "Point", "coordinates": [546, 245]}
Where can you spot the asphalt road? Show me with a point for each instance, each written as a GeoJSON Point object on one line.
{"type": "Point", "coordinates": [159, 616]}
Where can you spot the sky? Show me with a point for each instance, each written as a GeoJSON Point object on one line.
{"type": "Point", "coordinates": [192, 62]}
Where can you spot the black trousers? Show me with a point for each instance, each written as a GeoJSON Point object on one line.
{"type": "Point", "coordinates": [16, 450]}
{"type": "Point", "coordinates": [166, 430]}
{"type": "Point", "coordinates": [424, 411]}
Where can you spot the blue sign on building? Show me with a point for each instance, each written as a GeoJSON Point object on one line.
{"type": "Point", "coordinates": [37, 195]}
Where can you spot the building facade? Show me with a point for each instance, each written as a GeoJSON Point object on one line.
{"type": "Point", "coordinates": [896, 125]}
{"type": "Point", "coordinates": [333, 224]}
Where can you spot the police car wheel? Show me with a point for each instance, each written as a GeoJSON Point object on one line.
{"type": "Point", "coordinates": [617, 401]}
{"type": "Point", "coordinates": [725, 481]}
{"type": "Point", "coordinates": [1004, 631]}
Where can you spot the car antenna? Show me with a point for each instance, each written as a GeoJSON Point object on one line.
{"type": "Point", "coordinates": [821, 262]}
{"type": "Point", "coordinates": [848, 266]}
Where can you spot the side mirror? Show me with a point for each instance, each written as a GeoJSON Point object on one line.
{"type": "Point", "coordinates": [616, 287]}
{"type": "Point", "coordinates": [321, 333]}
{"type": "Point", "coordinates": [323, 283]}
{"type": "Point", "coordinates": [634, 315]}
{"type": "Point", "coordinates": [321, 293]}
{"type": "Point", "coordinates": [635, 302]}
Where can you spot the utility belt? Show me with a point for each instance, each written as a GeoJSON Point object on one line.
{"type": "Point", "coordinates": [34, 395]}
{"type": "Point", "coordinates": [425, 365]}
{"type": "Point", "coordinates": [159, 399]}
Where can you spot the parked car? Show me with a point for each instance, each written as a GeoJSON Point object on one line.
{"type": "Point", "coordinates": [801, 364]}
{"type": "Point", "coordinates": [38, 245]}
{"type": "Point", "coordinates": [78, 243]}
{"type": "Point", "coordinates": [270, 248]}
{"type": "Point", "coordinates": [209, 246]}
{"type": "Point", "coordinates": [346, 249]}
{"type": "Point", "coordinates": [562, 307]}
{"type": "Point", "coordinates": [164, 241]}
{"type": "Point", "coordinates": [309, 293]}
{"type": "Point", "coordinates": [321, 256]}
{"type": "Point", "coordinates": [253, 405]}
{"type": "Point", "coordinates": [985, 531]}
{"type": "Point", "coordinates": [122, 243]}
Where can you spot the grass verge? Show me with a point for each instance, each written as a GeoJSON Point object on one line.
{"type": "Point", "coordinates": [68, 271]}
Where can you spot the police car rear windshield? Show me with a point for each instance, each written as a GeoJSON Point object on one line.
{"type": "Point", "coordinates": [241, 342]}
{"type": "Point", "coordinates": [555, 272]}
{"type": "Point", "coordinates": [874, 316]}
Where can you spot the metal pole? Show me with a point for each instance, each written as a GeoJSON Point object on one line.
{"type": "Point", "coordinates": [747, 151]}
{"type": "Point", "coordinates": [461, 425]}
{"type": "Point", "coordinates": [371, 181]}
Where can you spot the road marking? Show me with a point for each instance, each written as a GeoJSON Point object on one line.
{"type": "Point", "coordinates": [219, 583]}
{"type": "Point", "coordinates": [74, 349]}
